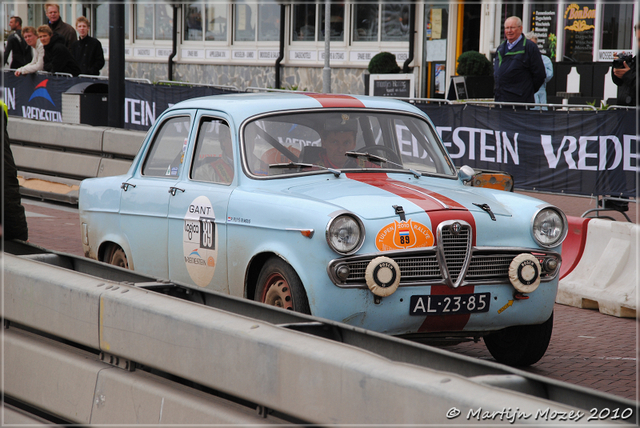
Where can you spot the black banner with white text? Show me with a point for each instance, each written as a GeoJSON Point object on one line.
{"type": "Point", "coordinates": [572, 152]}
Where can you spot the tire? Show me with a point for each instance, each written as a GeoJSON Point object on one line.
{"type": "Point", "coordinates": [116, 256]}
{"type": "Point", "coordinates": [520, 346]}
{"type": "Point", "coordinates": [279, 285]}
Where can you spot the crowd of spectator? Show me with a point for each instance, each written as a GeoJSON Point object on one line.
{"type": "Point", "coordinates": [55, 47]}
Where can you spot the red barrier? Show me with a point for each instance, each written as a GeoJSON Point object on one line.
{"type": "Point", "coordinates": [573, 246]}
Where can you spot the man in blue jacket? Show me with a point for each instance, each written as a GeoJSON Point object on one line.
{"type": "Point", "coordinates": [518, 70]}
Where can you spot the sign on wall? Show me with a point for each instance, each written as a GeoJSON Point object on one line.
{"type": "Point", "coordinates": [392, 85]}
{"type": "Point", "coordinates": [579, 23]}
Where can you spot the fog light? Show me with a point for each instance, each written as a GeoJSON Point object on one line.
{"type": "Point", "coordinates": [342, 272]}
{"type": "Point", "coordinates": [524, 273]}
{"type": "Point", "coordinates": [382, 276]}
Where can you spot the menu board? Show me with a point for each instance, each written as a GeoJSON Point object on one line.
{"type": "Point", "coordinates": [579, 23]}
{"type": "Point", "coordinates": [543, 23]}
{"type": "Point", "coordinates": [392, 85]}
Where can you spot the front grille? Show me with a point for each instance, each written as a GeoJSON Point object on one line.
{"type": "Point", "coordinates": [483, 267]}
{"type": "Point", "coordinates": [413, 269]}
{"type": "Point", "coordinates": [424, 268]}
{"type": "Point", "coordinates": [456, 247]}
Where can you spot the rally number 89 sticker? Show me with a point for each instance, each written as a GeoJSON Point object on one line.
{"type": "Point", "coordinates": [200, 241]}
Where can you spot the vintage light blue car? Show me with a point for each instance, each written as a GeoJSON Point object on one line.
{"type": "Point", "coordinates": [345, 207]}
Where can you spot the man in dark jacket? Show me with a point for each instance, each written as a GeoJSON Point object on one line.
{"type": "Point", "coordinates": [87, 51]}
{"type": "Point", "coordinates": [518, 70]}
{"type": "Point", "coordinates": [625, 78]}
{"type": "Point", "coordinates": [57, 58]}
{"type": "Point", "coordinates": [16, 45]}
{"type": "Point", "coordinates": [14, 224]}
{"type": "Point", "coordinates": [58, 26]}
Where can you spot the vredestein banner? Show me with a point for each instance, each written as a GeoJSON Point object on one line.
{"type": "Point", "coordinates": [39, 97]}
{"type": "Point", "coordinates": [572, 152]}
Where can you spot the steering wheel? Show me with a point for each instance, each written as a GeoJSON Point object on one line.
{"type": "Point", "coordinates": [393, 158]}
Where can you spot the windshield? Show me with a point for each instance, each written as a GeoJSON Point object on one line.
{"type": "Point", "coordinates": [344, 141]}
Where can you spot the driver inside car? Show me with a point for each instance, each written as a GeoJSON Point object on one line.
{"type": "Point", "coordinates": [339, 137]}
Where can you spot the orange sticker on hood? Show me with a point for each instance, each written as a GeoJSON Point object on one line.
{"type": "Point", "coordinates": [402, 235]}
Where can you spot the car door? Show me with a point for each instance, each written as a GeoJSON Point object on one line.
{"type": "Point", "coordinates": [144, 201]}
{"type": "Point", "coordinates": [198, 211]}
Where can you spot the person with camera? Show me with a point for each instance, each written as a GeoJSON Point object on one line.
{"type": "Point", "coordinates": [624, 75]}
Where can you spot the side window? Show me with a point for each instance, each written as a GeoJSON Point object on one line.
{"type": "Point", "coordinates": [167, 149]}
{"type": "Point", "coordinates": [213, 158]}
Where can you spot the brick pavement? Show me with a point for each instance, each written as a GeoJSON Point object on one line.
{"type": "Point", "coordinates": [587, 348]}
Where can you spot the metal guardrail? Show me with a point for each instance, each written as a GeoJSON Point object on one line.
{"type": "Point", "coordinates": [138, 79]}
{"type": "Point", "coordinates": [306, 369]}
{"type": "Point", "coordinates": [207, 85]}
{"type": "Point", "coordinates": [529, 106]}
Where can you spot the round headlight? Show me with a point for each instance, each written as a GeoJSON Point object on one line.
{"type": "Point", "coordinates": [550, 227]}
{"type": "Point", "coordinates": [345, 234]}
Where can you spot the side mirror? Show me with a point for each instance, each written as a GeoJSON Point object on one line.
{"type": "Point", "coordinates": [466, 173]}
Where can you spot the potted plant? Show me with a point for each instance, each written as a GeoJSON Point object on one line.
{"type": "Point", "coordinates": [478, 73]}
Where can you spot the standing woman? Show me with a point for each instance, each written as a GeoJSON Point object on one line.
{"type": "Point", "coordinates": [37, 52]}
{"type": "Point", "coordinates": [57, 58]}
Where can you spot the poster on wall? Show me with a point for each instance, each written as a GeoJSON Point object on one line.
{"type": "Point", "coordinates": [543, 24]}
{"type": "Point", "coordinates": [579, 24]}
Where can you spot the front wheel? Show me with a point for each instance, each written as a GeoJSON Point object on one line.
{"type": "Point", "coordinates": [520, 345]}
{"type": "Point", "coordinates": [279, 285]}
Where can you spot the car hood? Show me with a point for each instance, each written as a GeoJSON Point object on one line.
{"type": "Point", "coordinates": [373, 195]}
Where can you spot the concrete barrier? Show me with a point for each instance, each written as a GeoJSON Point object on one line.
{"type": "Point", "coordinates": [605, 277]}
{"type": "Point", "coordinates": [314, 379]}
{"type": "Point", "coordinates": [51, 154]}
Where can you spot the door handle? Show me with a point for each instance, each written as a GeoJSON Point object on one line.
{"type": "Point", "coordinates": [125, 186]}
{"type": "Point", "coordinates": [173, 190]}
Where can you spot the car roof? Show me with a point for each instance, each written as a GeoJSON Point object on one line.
{"type": "Point", "coordinates": [245, 105]}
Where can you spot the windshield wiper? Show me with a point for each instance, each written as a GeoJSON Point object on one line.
{"type": "Point", "coordinates": [376, 158]}
{"type": "Point", "coordinates": [335, 172]}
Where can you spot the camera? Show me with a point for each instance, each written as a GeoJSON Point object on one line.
{"type": "Point", "coordinates": [622, 58]}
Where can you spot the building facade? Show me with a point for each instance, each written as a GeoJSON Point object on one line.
{"type": "Point", "coordinates": [237, 43]}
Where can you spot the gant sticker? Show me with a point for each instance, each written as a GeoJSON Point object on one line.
{"type": "Point", "coordinates": [200, 241]}
{"type": "Point", "coordinates": [402, 235]}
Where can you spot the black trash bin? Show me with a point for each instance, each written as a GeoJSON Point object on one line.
{"type": "Point", "coordinates": [86, 103]}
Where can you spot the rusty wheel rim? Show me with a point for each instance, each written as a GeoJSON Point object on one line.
{"type": "Point", "coordinates": [119, 258]}
{"type": "Point", "coordinates": [277, 292]}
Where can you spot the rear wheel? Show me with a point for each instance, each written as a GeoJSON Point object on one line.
{"type": "Point", "coordinates": [116, 256]}
{"type": "Point", "coordinates": [279, 285]}
{"type": "Point", "coordinates": [520, 345]}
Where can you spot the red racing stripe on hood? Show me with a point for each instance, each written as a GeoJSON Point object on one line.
{"type": "Point", "coordinates": [439, 208]}
{"type": "Point", "coordinates": [425, 199]}
{"type": "Point", "coordinates": [337, 101]}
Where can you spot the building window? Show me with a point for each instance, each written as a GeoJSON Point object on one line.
{"type": "Point", "coordinates": [164, 22]}
{"type": "Point", "coordinates": [395, 22]}
{"type": "Point", "coordinates": [247, 17]}
{"type": "Point", "coordinates": [153, 22]}
{"type": "Point", "coordinates": [193, 21]}
{"type": "Point", "coordinates": [216, 19]}
{"type": "Point", "coordinates": [100, 21]}
{"type": "Point", "coordinates": [617, 26]}
{"type": "Point", "coordinates": [365, 23]}
{"type": "Point", "coordinates": [245, 28]}
{"type": "Point", "coordinates": [336, 23]}
{"type": "Point", "coordinates": [269, 23]}
{"type": "Point", "coordinates": [308, 23]}
{"type": "Point", "coordinates": [304, 22]}
{"type": "Point", "coordinates": [388, 22]}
